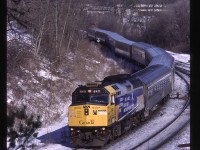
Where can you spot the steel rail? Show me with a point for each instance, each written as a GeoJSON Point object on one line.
{"type": "Point", "coordinates": [187, 103]}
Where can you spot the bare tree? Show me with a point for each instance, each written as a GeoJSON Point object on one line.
{"type": "Point", "coordinates": [172, 33]}
{"type": "Point", "coordinates": [41, 32]}
{"type": "Point", "coordinates": [64, 27]}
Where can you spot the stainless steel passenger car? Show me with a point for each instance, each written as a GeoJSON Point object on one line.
{"type": "Point", "coordinates": [123, 49]}
{"type": "Point", "coordinates": [138, 53]}
{"type": "Point", "coordinates": [158, 81]}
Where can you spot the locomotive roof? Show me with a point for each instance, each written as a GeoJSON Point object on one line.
{"type": "Point", "coordinates": [116, 78]}
{"type": "Point", "coordinates": [135, 82]}
{"type": "Point", "coordinates": [150, 74]}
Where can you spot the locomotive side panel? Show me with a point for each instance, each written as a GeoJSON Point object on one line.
{"type": "Point", "coordinates": [130, 103]}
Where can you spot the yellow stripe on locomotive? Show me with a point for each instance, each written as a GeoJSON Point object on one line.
{"type": "Point", "coordinates": [88, 115]}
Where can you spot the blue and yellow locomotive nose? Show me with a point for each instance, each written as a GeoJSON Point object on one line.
{"type": "Point", "coordinates": [88, 115]}
{"type": "Point", "coordinates": [91, 106]}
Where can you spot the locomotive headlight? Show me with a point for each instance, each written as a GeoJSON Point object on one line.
{"type": "Point", "coordinates": [95, 131]}
{"type": "Point", "coordinates": [71, 129]}
{"type": "Point", "coordinates": [103, 131]}
{"type": "Point", "coordinates": [86, 111]}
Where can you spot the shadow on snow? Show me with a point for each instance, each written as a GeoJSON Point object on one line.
{"type": "Point", "coordinates": [59, 136]}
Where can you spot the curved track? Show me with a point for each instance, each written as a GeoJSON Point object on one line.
{"type": "Point", "coordinates": [171, 128]}
{"type": "Point", "coordinates": [174, 121]}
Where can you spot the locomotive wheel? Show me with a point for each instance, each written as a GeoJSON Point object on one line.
{"type": "Point", "coordinates": [76, 146]}
{"type": "Point", "coordinates": [145, 115]}
{"type": "Point", "coordinates": [141, 116]}
{"type": "Point", "coordinates": [163, 101]}
{"type": "Point", "coordinates": [116, 131]}
{"type": "Point", "coordinates": [106, 141]}
{"type": "Point", "coordinates": [111, 136]}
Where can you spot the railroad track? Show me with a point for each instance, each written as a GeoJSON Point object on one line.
{"type": "Point", "coordinates": [181, 66]}
{"type": "Point", "coordinates": [167, 131]}
{"type": "Point", "coordinates": [164, 132]}
{"type": "Point", "coordinates": [179, 72]}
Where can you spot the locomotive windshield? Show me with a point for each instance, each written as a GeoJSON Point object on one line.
{"type": "Point", "coordinates": [90, 96]}
{"type": "Point", "coordinates": [78, 98]}
{"type": "Point", "coordinates": [99, 98]}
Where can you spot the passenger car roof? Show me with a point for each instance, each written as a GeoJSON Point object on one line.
{"type": "Point", "coordinates": [165, 60]}
{"type": "Point", "coordinates": [151, 73]}
{"type": "Point", "coordinates": [115, 36]}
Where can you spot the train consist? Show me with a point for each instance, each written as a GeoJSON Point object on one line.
{"type": "Point", "coordinates": [102, 111]}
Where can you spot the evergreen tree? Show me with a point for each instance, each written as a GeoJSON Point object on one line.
{"type": "Point", "coordinates": [21, 128]}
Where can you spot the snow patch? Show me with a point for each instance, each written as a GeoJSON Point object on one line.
{"type": "Point", "coordinates": [10, 96]}
{"type": "Point", "coordinates": [180, 57]}
{"type": "Point", "coordinates": [47, 75]}
{"type": "Point", "coordinates": [20, 35]}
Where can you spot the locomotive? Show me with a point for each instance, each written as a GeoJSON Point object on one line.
{"type": "Point", "coordinates": [104, 110]}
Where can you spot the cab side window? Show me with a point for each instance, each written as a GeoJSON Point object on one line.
{"type": "Point", "coordinates": [112, 99]}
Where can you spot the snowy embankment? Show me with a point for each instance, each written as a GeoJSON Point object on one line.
{"type": "Point", "coordinates": [185, 58]}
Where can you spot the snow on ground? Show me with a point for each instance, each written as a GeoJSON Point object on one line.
{"type": "Point", "coordinates": [180, 57]}
{"type": "Point", "coordinates": [10, 96]}
{"type": "Point", "coordinates": [181, 138]}
{"type": "Point", "coordinates": [18, 34]}
{"type": "Point", "coordinates": [46, 74]}
{"type": "Point", "coordinates": [54, 137]}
